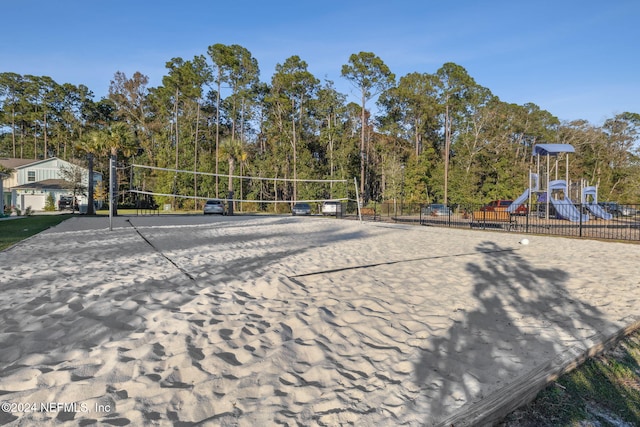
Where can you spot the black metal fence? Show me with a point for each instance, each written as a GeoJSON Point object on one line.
{"type": "Point", "coordinates": [605, 221]}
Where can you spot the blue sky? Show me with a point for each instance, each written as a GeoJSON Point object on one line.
{"type": "Point", "coordinates": [576, 59]}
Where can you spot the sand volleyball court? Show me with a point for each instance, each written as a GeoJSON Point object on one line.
{"type": "Point", "coordinates": [256, 321]}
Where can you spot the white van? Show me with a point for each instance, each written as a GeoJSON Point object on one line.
{"type": "Point", "coordinates": [332, 208]}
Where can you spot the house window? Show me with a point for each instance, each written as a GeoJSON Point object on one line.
{"type": "Point", "coordinates": [31, 176]}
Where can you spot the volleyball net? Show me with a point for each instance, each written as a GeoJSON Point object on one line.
{"type": "Point", "coordinates": [189, 189]}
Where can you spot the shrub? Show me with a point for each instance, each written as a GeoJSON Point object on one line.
{"type": "Point", "coordinates": [51, 203]}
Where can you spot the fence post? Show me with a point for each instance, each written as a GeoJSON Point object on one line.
{"type": "Point", "coordinates": [580, 227]}
{"type": "Point", "coordinates": [484, 218]}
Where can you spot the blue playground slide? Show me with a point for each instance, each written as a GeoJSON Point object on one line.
{"type": "Point", "coordinates": [565, 209]}
{"type": "Point", "coordinates": [593, 205]}
{"type": "Point", "coordinates": [598, 211]}
{"type": "Point", "coordinates": [517, 202]}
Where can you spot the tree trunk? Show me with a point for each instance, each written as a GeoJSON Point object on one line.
{"type": "Point", "coordinates": [362, 124]}
{"type": "Point", "coordinates": [330, 157]}
{"type": "Point", "coordinates": [232, 166]}
{"type": "Point", "coordinates": [417, 135]}
{"type": "Point", "coordinates": [295, 154]}
{"type": "Point", "coordinates": [90, 207]}
{"type": "Point", "coordinates": [447, 142]}
{"type": "Point", "coordinates": [13, 130]}
{"type": "Point", "coordinates": [175, 178]}
{"type": "Point", "coordinates": [218, 130]}
{"type": "Point", "coordinates": [46, 145]}
{"type": "Point", "coordinates": [113, 202]}
{"type": "Point", "coordinates": [195, 159]}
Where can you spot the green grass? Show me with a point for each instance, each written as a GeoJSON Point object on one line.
{"type": "Point", "coordinates": [604, 391]}
{"type": "Point", "coordinates": [13, 231]}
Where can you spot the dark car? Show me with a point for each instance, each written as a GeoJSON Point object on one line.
{"type": "Point", "coordinates": [301, 209]}
{"type": "Point", "coordinates": [67, 202]}
{"type": "Point", "coordinates": [617, 209]}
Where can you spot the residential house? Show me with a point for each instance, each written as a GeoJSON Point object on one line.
{"type": "Point", "coordinates": [32, 181]}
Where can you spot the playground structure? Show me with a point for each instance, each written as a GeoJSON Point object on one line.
{"type": "Point", "coordinates": [551, 196]}
{"type": "Point", "coordinates": [589, 199]}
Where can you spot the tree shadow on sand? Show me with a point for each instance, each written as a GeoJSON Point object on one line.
{"type": "Point", "coordinates": [523, 319]}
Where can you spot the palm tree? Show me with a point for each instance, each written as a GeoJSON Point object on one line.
{"type": "Point", "coordinates": [91, 144]}
{"type": "Point", "coordinates": [233, 150]}
{"type": "Point", "coordinates": [109, 141]}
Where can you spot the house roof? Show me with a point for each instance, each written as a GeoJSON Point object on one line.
{"type": "Point", "coordinates": [47, 184]}
{"type": "Point", "coordinates": [12, 162]}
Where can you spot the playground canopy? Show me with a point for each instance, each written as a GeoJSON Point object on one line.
{"type": "Point", "coordinates": [552, 149]}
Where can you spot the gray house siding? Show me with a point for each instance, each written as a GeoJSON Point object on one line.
{"type": "Point", "coordinates": [32, 182]}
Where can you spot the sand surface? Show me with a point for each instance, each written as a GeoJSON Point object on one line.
{"type": "Point", "coordinates": [256, 321]}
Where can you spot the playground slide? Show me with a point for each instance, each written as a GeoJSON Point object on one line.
{"type": "Point", "coordinates": [565, 209]}
{"type": "Point", "coordinates": [593, 206]}
{"type": "Point", "coordinates": [517, 202]}
{"type": "Point", "coordinates": [598, 211]}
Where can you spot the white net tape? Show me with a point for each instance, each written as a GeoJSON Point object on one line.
{"type": "Point", "coordinates": [247, 189]}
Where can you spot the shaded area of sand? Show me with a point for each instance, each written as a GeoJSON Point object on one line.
{"type": "Point", "coordinates": [264, 320]}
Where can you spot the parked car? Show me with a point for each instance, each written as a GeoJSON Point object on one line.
{"type": "Point", "coordinates": [301, 209]}
{"type": "Point", "coordinates": [617, 209]}
{"type": "Point", "coordinates": [214, 206]}
{"type": "Point", "coordinates": [332, 208]}
{"type": "Point", "coordinates": [67, 202]}
{"type": "Point", "coordinates": [628, 210]}
{"type": "Point", "coordinates": [436, 209]}
{"type": "Point", "coordinates": [502, 205]}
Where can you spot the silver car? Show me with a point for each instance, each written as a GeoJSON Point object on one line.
{"type": "Point", "coordinates": [213, 206]}
{"type": "Point", "coordinates": [301, 209]}
{"type": "Point", "coordinates": [436, 209]}
{"type": "Point", "coordinates": [616, 209]}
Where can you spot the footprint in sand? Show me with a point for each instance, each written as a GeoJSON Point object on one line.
{"type": "Point", "coordinates": [195, 352]}
{"type": "Point", "coordinates": [158, 350]}
{"type": "Point", "coordinates": [230, 358]}
{"type": "Point", "coordinates": [76, 306]}
{"type": "Point", "coordinates": [225, 334]}
{"type": "Point", "coordinates": [122, 357]}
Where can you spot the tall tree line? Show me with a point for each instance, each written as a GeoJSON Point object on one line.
{"type": "Point", "coordinates": [432, 137]}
